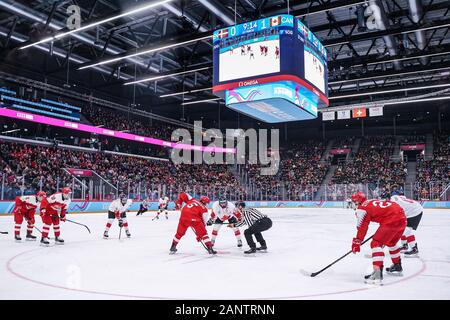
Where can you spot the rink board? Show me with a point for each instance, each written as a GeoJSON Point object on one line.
{"type": "Point", "coordinates": [6, 207]}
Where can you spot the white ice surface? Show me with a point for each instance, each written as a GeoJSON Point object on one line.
{"type": "Point", "coordinates": [88, 267]}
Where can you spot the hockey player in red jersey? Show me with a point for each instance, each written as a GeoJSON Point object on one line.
{"type": "Point", "coordinates": [392, 220]}
{"type": "Point", "coordinates": [194, 214]}
{"type": "Point", "coordinates": [25, 208]}
{"type": "Point", "coordinates": [54, 209]}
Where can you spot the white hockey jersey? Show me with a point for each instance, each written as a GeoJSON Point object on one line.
{"type": "Point", "coordinates": [412, 208]}
{"type": "Point", "coordinates": [117, 205]}
{"type": "Point", "coordinates": [223, 213]}
{"type": "Point", "coordinates": [164, 201]}
{"type": "Point", "coordinates": [29, 202]}
{"type": "Point", "coordinates": [56, 201]}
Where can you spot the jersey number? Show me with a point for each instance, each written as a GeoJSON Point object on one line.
{"type": "Point", "coordinates": [382, 204]}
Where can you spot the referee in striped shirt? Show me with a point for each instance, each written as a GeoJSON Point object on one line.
{"type": "Point", "coordinates": [257, 223]}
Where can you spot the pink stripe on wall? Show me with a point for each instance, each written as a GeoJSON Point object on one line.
{"type": "Point", "coordinates": [105, 132]}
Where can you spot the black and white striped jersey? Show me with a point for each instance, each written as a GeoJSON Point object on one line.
{"type": "Point", "coordinates": [250, 216]}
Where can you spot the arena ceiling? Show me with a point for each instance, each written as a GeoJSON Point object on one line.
{"type": "Point", "coordinates": [409, 54]}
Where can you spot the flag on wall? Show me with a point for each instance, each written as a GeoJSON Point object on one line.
{"type": "Point", "coordinates": [343, 114]}
{"type": "Point", "coordinates": [359, 113]}
{"type": "Point", "coordinates": [327, 116]}
{"type": "Point", "coordinates": [375, 111]}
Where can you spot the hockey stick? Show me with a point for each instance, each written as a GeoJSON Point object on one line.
{"type": "Point", "coordinates": [3, 232]}
{"type": "Point", "coordinates": [313, 274]}
{"type": "Point", "coordinates": [204, 246]}
{"type": "Point", "coordinates": [41, 231]}
{"type": "Point", "coordinates": [79, 224]}
{"type": "Point", "coordinates": [120, 233]}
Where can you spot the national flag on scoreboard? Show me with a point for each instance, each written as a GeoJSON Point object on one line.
{"type": "Point", "coordinates": [275, 21]}
{"type": "Point", "coordinates": [343, 114]}
{"type": "Point", "coordinates": [223, 33]}
{"type": "Point", "coordinates": [304, 29]}
{"type": "Point", "coordinates": [376, 111]}
{"type": "Point", "coordinates": [327, 116]}
{"type": "Point", "coordinates": [359, 113]}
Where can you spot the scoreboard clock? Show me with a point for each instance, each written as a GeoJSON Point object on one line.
{"type": "Point", "coordinates": [273, 69]}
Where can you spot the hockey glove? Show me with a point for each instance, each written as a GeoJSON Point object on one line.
{"type": "Point", "coordinates": [120, 223]}
{"type": "Point", "coordinates": [356, 245]}
{"type": "Point", "coordinates": [209, 222]}
{"type": "Point", "coordinates": [63, 218]}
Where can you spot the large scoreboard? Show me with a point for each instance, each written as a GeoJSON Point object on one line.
{"type": "Point", "coordinates": [273, 69]}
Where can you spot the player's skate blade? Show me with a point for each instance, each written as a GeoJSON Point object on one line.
{"type": "Point", "coordinates": [44, 242]}
{"type": "Point", "coordinates": [30, 237]}
{"type": "Point", "coordinates": [395, 270]}
{"type": "Point", "coordinates": [413, 253]}
{"type": "Point", "coordinates": [250, 253]}
{"type": "Point", "coordinates": [376, 277]}
{"type": "Point", "coordinates": [262, 249]}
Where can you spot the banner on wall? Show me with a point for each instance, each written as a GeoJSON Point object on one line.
{"type": "Point", "coordinates": [410, 147]}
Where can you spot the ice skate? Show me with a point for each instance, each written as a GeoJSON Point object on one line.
{"type": "Point", "coordinates": [128, 233]}
{"type": "Point", "coordinates": [211, 250]}
{"type": "Point", "coordinates": [413, 253]}
{"type": "Point", "coordinates": [30, 237]}
{"type": "Point", "coordinates": [105, 235]}
{"type": "Point", "coordinates": [376, 277]}
{"type": "Point", "coordinates": [45, 242]}
{"type": "Point", "coordinates": [239, 243]}
{"type": "Point", "coordinates": [263, 248]}
{"type": "Point", "coordinates": [395, 270]}
{"type": "Point", "coordinates": [404, 247]}
{"type": "Point", "coordinates": [250, 251]}
{"type": "Point", "coordinates": [59, 241]}
{"type": "Point", "coordinates": [173, 249]}
{"type": "Point", "coordinates": [17, 238]}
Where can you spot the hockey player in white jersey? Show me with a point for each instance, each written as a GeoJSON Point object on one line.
{"type": "Point", "coordinates": [223, 210]}
{"type": "Point", "coordinates": [163, 204]}
{"type": "Point", "coordinates": [413, 211]}
{"type": "Point", "coordinates": [118, 210]}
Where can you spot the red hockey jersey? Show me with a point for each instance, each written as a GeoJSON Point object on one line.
{"type": "Point", "coordinates": [54, 203]}
{"type": "Point", "coordinates": [382, 212]}
{"type": "Point", "coordinates": [194, 210]}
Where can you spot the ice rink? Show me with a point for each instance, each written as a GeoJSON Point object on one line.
{"type": "Point", "coordinates": [88, 267]}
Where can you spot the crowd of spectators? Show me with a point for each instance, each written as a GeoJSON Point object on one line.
{"type": "Point", "coordinates": [412, 139]}
{"type": "Point", "coordinates": [33, 168]}
{"type": "Point", "coordinates": [433, 175]}
{"type": "Point", "coordinates": [28, 168]}
{"type": "Point", "coordinates": [120, 121]}
{"type": "Point", "coordinates": [299, 176]}
{"type": "Point", "coordinates": [372, 165]}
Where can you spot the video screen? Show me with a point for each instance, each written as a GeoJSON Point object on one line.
{"type": "Point", "coordinates": [249, 55]}
{"type": "Point", "coordinates": [314, 69]}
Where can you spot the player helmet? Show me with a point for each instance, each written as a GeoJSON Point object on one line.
{"type": "Point", "coordinates": [223, 202]}
{"type": "Point", "coordinates": [41, 194]}
{"type": "Point", "coordinates": [66, 190]}
{"type": "Point", "coordinates": [204, 200]}
{"type": "Point", "coordinates": [240, 204]}
{"type": "Point", "coordinates": [122, 196]}
{"type": "Point", "coordinates": [359, 197]}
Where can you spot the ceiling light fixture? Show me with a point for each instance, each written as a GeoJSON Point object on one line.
{"type": "Point", "coordinates": [64, 34]}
